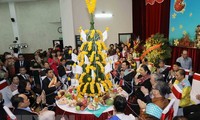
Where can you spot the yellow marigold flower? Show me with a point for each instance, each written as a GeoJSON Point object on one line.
{"type": "Point", "coordinates": [68, 78]}
{"type": "Point", "coordinates": [76, 76]}
{"type": "Point", "coordinates": [86, 31]}
{"type": "Point", "coordinates": [107, 28]}
{"type": "Point", "coordinates": [92, 87]}
{"type": "Point", "coordinates": [90, 46]}
{"type": "Point", "coordinates": [99, 79]}
{"type": "Point", "coordinates": [85, 87]}
{"type": "Point", "coordinates": [89, 79]}
{"type": "Point", "coordinates": [92, 33]}
{"type": "Point", "coordinates": [98, 87]}
{"type": "Point", "coordinates": [97, 58]}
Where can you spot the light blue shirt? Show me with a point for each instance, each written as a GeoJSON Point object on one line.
{"type": "Point", "coordinates": [185, 63]}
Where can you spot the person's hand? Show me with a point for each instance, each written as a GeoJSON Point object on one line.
{"type": "Point", "coordinates": [141, 104]}
{"type": "Point", "coordinates": [170, 85]}
{"type": "Point", "coordinates": [144, 90]}
{"type": "Point", "coordinates": [198, 97]}
{"type": "Point", "coordinates": [38, 99]}
{"type": "Point", "coordinates": [43, 96]}
{"type": "Point", "coordinates": [58, 84]}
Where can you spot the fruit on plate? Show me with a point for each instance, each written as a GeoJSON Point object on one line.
{"type": "Point", "coordinates": [82, 105]}
{"type": "Point", "coordinates": [78, 108]}
{"type": "Point", "coordinates": [62, 101]}
{"type": "Point", "coordinates": [60, 93]}
{"type": "Point", "coordinates": [109, 101]}
{"type": "Point", "coordinates": [72, 103]}
{"type": "Point", "coordinates": [93, 106]}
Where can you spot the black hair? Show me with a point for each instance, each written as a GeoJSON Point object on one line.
{"type": "Point", "coordinates": [127, 63]}
{"type": "Point", "coordinates": [22, 86]}
{"type": "Point", "coordinates": [13, 77]}
{"type": "Point", "coordinates": [47, 70]}
{"type": "Point", "coordinates": [145, 59]}
{"type": "Point", "coordinates": [146, 69]}
{"type": "Point", "coordinates": [16, 99]}
{"type": "Point", "coordinates": [62, 59]}
{"type": "Point", "coordinates": [182, 72]}
{"type": "Point", "coordinates": [120, 103]}
{"type": "Point", "coordinates": [20, 55]}
{"type": "Point", "coordinates": [178, 64]}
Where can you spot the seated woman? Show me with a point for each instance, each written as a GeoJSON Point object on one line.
{"type": "Point", "coordinates": [37, 103]}
{"type": "Point", "coordinates": [120, 104]}
{"type": "Point", "coordinates": [141, 80]}
{"type": "Point", "coordinates": [144, 80]}
{"type": "Point", "coordinates": [158, 92]}
{"type": "Point", "coordinates": [14, 83]}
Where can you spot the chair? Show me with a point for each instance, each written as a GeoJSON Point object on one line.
{"type": "Point", "coordinates": [195, 88]}
{"type": "Point", "coordinates": [11, 116]}
{"type": "Point", "coordinates": [168, 111]}
{"type": "Point", "coordinates": [176, 94]}
{"type": "Point", "coordinates": [6, 92]}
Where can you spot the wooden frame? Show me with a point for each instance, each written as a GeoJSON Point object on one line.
{"type": "Point", "coordinates": [124, 37]}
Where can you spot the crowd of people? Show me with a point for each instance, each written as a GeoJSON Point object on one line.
{"type": "Point", "coordinates": [31, 94]}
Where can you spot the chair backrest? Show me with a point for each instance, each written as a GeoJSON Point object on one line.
{"type": "Point", "coordinates": [195, 88]}
{"type": "Point", "coordinates": [176, 94]}
{"type": "Point", "coordinates": [168, 111]}
{"type": "Point", "coordinates": [9, 113]}
{"type": "Point", "coordinates": [6, 92]}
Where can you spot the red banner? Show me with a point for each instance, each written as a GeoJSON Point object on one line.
{"type": "Point", "coordinates": [151, 2]}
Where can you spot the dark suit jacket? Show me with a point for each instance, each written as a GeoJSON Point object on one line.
{"type": "Point", "coordinates": [61, 70]}
{"type": "Point", "coordinates": [21, 78]}
{"type": "Point", "coordinates": [50, 92]}
{"type": "Point", "coordinates": [25, 115]}
{"type": "Point", "coordinates": [3, 115]}
{"type": "Point", "coordinates": [127, 82]}
{"type": "Point", "coordinates": [26, 64]}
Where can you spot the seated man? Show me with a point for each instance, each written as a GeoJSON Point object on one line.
{"type": "Point", "coordinates": [163, 69]}
{"type": "Point", "coordinates": [126, 77]}
{"type": "Point", "coordinates": [50, 87]}
{"type": "Point", "coordinates": [184, 85]}
{"type": "Point", "coordinates": [22, 111]}
{"type": "Point", "coordinates": [120, 104]}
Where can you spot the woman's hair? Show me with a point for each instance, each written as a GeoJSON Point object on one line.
{"type": "Point", "coordinates": [22, 86]}
{"type": "Point", "coordinates": [146, 69]}
{"type": "Point", "coordinates": [13, 78]}
{"type": "Point", "coordinates": [162, 87]}
{"type": "Point", "coordinates": [120, 103]}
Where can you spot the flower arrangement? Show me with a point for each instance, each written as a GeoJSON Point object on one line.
{"type": "Point", "coordinates": [156, 48]}
{"type": "Point", "coordinates": [93, 81]}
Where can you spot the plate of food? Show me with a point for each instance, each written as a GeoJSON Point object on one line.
{"type": "Point", "coordinates": [93, 106]}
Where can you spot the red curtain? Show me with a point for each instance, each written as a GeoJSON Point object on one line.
{"type": "Point", "coordinates": [150, 19]}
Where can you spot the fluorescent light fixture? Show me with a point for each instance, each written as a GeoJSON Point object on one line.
{"type": "Point", "coordinates": [103, 15]}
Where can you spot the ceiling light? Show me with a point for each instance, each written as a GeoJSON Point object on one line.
{"type": "Point", "coordinates": [103, 15]}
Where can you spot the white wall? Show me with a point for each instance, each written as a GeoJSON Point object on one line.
{"type": "Point", "coordinates": [121, 22]}
{"type": "Point", "coordinates": [38, 21]}
{"type": "Point", "coordinates": [6, 33]}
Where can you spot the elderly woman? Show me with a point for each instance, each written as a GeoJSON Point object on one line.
{"type": "Point", "coordinates": [159, 90]}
